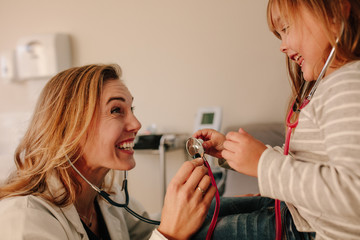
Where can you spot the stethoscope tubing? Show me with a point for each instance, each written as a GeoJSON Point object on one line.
{"type": "Point", "coordinates": [198, 144]}
{"type": "Point", "coordinates": [106, 196]}
{"type": "Point", "coordinates": [217, 202]}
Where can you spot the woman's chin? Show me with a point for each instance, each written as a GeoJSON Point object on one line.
{"type": "Point", "coordinates": [126, 166]}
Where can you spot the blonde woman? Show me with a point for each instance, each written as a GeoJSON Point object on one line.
{"type": "Point", "coordinates": [84, 126]}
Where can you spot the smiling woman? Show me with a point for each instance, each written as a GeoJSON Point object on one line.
{"type": "Point", "coordinates": [114, 131]}
{"type": "Point", "coordinates": [84, 127]}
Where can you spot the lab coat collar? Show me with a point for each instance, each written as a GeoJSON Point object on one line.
{"type": "Point", "coordinates": [113, 216]}
{"type": "Point", "coordinates": [112, 221]}
{"type": "Point", "coordinates": [56, 188]}
{"type": "Point", "coordinates": [73, 218]}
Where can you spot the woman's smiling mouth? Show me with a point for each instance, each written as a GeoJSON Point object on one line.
{"type": "Point", "coordinates": [127, 146]}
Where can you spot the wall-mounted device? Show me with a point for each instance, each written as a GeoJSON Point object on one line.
{"type": "Point", "coordinates": [42, 56]}
{"type": "Point", "coordinates": [208, 117]}
{"type": "Point", "coordinates": [7, 66]}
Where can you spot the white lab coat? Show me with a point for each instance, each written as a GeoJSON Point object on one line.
{"type": "Point", "coordinates": [31, 217]}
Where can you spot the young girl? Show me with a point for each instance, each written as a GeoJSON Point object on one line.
{"type": "Point", "coordinates": [318, 182]}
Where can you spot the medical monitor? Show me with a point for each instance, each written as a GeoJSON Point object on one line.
{"type": "Point", "coordinates": [208, 117]}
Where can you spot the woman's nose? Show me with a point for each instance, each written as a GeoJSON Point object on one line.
{"type": "Point", "coordinates": [133, 125]}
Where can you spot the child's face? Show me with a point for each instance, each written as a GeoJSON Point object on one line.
{"type": "Point", "coordinates": [304, 40]}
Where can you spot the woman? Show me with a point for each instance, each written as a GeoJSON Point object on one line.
{"type": "Point", "coordinates": [84, 120]}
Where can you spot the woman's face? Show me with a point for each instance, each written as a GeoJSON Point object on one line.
{"type": "Point", "coordinates": [304, 41]}
{"type": "Point", "coordinates": [110, 140]}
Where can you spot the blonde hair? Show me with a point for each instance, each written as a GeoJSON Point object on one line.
{"type": "Point", "coordinates": [62, 116]}
{"type": "Point", "coordinates": [327, 12]}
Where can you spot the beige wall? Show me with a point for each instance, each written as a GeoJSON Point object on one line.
{"type": "Point", "coordinates": [176, 56]}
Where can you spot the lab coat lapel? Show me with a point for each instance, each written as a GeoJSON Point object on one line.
{"type": "Point", "coordinates": [114, 220]}
{"type": "Point", "coordinates": [73, 218]}
{"type": "Point", "coordinates": [56, 188]}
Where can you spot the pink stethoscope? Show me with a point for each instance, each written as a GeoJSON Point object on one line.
{"type": "Point", "coordinates": [196, 150]}
{"type": "Point", "coordinates": [295, 109]}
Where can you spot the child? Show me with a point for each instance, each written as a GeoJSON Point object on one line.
{"type": "Point", "coordinates": [319, 181]}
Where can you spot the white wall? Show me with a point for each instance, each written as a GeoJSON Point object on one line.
{"type": "Point", "coordinates": [176, 56]}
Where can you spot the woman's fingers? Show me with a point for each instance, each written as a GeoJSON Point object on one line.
{"type": "Point", "coordinates": [203, 186]}
{"type": "Point", "coordinates": [186, 170]}
{"type": "Point", "coordinates": [196, 176]}
{"type": "Point", "coordinates": [209, 195]}
{"type": "Point", "coordinates": [187, 201]}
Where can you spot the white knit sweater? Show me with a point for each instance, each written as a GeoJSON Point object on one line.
{"type": "Point", "coordinates": [320, 179]}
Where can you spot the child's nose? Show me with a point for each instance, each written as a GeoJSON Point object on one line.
{"type": "Point", "coordinates": [283, 47]}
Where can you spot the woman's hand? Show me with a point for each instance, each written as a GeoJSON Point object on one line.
{"type": "Point", "coordinates": [187, 201]}
{"type": "Point", "coordinates": [242, 152]}
{"type": "Point", "coordinates": [213, 141]}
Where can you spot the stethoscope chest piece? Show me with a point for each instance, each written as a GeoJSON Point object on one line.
{"type": "Point", "coordinates": [194, 147]}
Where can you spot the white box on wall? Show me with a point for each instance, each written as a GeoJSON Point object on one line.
{"type": "Point", "coordinates": [7, 66]}
{"type": "Point", "coordinates": [42, 55]}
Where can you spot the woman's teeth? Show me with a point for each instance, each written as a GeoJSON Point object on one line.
{"type": "Point", "coordinates": [126, 145]}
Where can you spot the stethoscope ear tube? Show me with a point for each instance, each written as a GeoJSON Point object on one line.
{"type": "Point", "coordinates": [107, 198]}
{"type": "Point", "coordinates": [144, 219]}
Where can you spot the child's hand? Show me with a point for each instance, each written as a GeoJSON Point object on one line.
{"type": "Point", "coordinates": [243, 152]}
{"type": "Point", "coordinates": [213, 141]}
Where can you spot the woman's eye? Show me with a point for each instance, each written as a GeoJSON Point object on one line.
{"type": "Point", "coordinates": [121, 110]}
{"type": "Point", "coordinates": [116, 110]}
